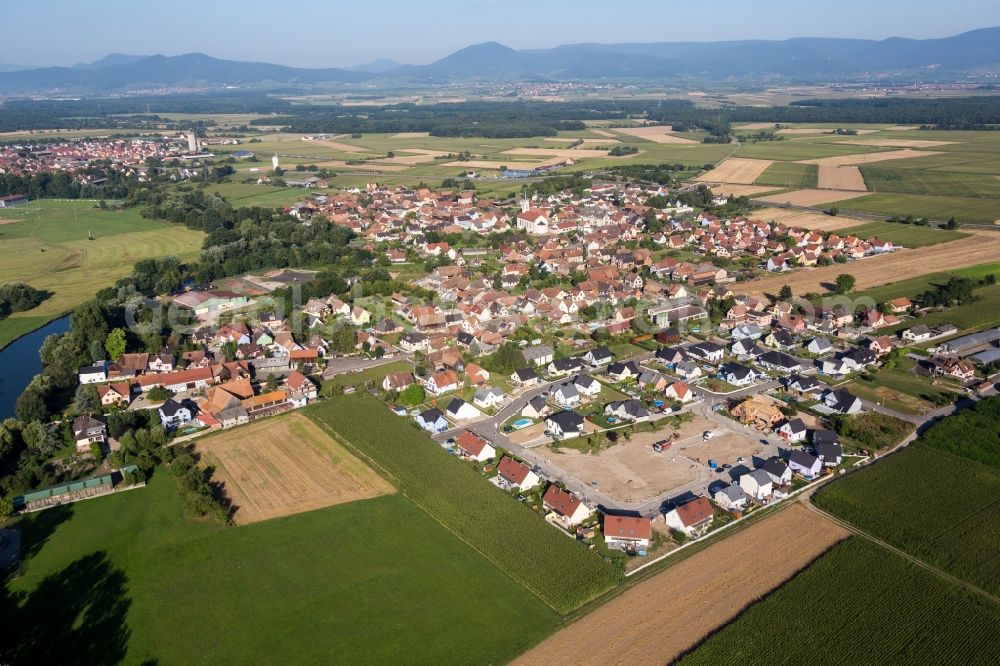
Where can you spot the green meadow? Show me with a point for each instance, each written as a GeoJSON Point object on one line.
{"type": "Point", "coordinates": [47, 244]}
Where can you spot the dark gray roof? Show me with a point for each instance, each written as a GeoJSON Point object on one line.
{"type": "Point", "coordinates": [567, 420]}
{"type": "Point", "coordinates": [431, 415]}
{"type": "Point", "coordinates": [800, 457]}
{"type": "Point", "coordinates": [525, 374]}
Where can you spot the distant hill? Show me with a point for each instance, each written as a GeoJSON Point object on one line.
{"type": "Point", "coordinates": [377, 66]}
{"type": "Point", "coordinates": [123, 73]}
{"type": "Point", "coordinates": [801, 60]}
{"type": "Point", "coordinates": [7, 67]}
{"type": "Point", "coordinates": [109, 60]}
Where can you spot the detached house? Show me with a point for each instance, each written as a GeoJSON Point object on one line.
{"type": "Point", "coordinates": [475, 447]}
{"type": "Point", "coordinates": [757, 484]}
{"type": "Point", "coordinates": [564, 425]}
{"type": "Point", "coordinates": [628, 532]}
{"type": "Point", "coordinates": [174, 414]}
{"type": "Point", "coordinates": [87, 430]}
{"type": "Point", "coordinates": [566, 506]}
{"type": "Point", "coordinates": [517, 474]}
{"type": "Point", "coordinates": [690, 517]}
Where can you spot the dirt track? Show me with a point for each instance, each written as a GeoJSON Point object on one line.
{"type": "Point", "coordinates": [980, 247]}
{"type": "Point", "coordinates": [736, 170]}
{"type": "Point", "coordinates": [658, 619]}
{"type": "Point", "coordinates": [285, 465]}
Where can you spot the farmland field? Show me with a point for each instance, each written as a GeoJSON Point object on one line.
{"type": "Point", "coordinates": [938, 183]}
{"type": "Point", "coordinates": [978, 248]}
{"type": "Point", "coordinates": [657, 620]}
{"type": "Point", "coordinates": [47, 246]}
{"type": "Point", "coordinates": [979, 314]}
{"type": "Point", "coordinates": [964, 209]}
{"type": "Point", "coordinates": [285, 465]}
{"type": "Point", "coordinates": [789, 174]}
{"type": "Point", "coordinates": [126, 578]}
{"type": "Point", "coordinates": [911, 500]}
{"type": "Point", "coordinates": [860, 604]}
{"type": "Point", "coordinates": [560, 571]}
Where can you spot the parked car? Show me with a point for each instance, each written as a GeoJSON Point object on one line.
{"type": "Point", "coordinates": [708, 434]}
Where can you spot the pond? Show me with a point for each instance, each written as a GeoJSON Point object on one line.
{"type": "Point", "coordinates": [20, 362]}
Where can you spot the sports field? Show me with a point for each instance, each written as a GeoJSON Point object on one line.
{"type": "Point", "coordinates": [126, 578]}
{"type": "Point", "coordinates": [46, 244]}
{"type": "Point", "coordinates": [282, 466]}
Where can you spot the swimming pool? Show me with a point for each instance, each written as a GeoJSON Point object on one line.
{"type": "Point", "coordinates": [520, 423]}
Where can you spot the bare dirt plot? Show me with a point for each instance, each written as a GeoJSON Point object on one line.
{"type": "Point", "coordinates": [655, 133]}
{"type": "Point", "coordinates": [817, 130]}
{"type": "Point", "coordinates": [901, 128]}
{"type": "Point", "coordinates": [411, 135]}
{"type": "Point", "coordinates": [814, 221]}
{"type": "Point", "coordinates": [811, 197]}
{"type": "Point", "coordinates": [420, 157]}
{"type": "Point", "coordinates": [285, 465]}
{"type": "Point", "coordinates": [736, 170]}
{"type": "Point", "coordinates": [978, 248]}
{"type": "Point", "coordinates": [726, 448]}
{"type": "Point", "coordinates": [866, 158]}
{"type": "Point", "coordinates": [491, 164]}
{"type": "Point", "coordinates": [742, 190]}
{"type": "Point", "coordinates": [899, 143]}
{"type": "Point", "coordinates": [629, 472]}
{"type": "Point", "coordinates": [659, 619]}
{"type": "Point", "coordinates": [841, 178]}
{"type": "Point", "coordinates": [557, 152]}
{"type": "Point", "coordinates": [571, 140]}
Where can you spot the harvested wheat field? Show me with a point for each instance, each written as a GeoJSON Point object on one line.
{"type": "Point", "coordinates": [901, 128]}
{"type": "Point", "coordinates": [491, 164]}
{"type": "Point", "coordinates": [866, 158]}
{"type": "Point", "coordinates": [841, 178]}
{"type": "Point", "coordinates": [793, 131]}
{"type": "Point", "coordinates": [742, 190]}
{"type": "Point", "coordinates": [342, 147]}
{"type": "Point", "coordinates": [285, 465]}
{"type": "Point", "coordinates": [411, 135]}
{"type": "Point", "coordinates": [367, 166]}
{"type": "Point", "coordinates": [559, 139]}
{"type": "Point", "coordinates": [811, 197]}
{"type": "Point", "coordinates": [659, 619]}
{"type": "Point", "coordinates": [898, 143]}
{"type": "Point", "coordinates": [557, 152]}
{"type": "Point", "coordinates": [419, 157]}
{"type": "Point", "coordinates": [601, 132]}
{"type": "Point", "coordinates": [813, 221]}
{"type": "Point", "coordinates": [979, 247]}
{"type": "Point", "coordinates": [655, 133]}
{"type": "Point", "coordinates": [736, 170]}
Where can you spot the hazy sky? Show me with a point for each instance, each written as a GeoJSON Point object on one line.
{"type": "Point", "coordinates": [337, 33]}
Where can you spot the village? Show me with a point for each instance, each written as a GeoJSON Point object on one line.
{"type": "Point", "coordinates": [611, 375]}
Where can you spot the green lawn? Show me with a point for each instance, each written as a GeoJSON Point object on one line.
{"type": "Point", "coordinates": [859, 604]}
{"type": "Point", "coordinates": [46, 245]}
{"type": "Point", "coordinates": [900, 389]}
{"type": "Point", "coordinates": [907, 235]}
{"type": "Point", "coordinates": [979, 314]}
{"type": "Point", "coordinates": [790, 174]}
{"type": "Point", "coordinates": [126, 578]}
{"type": "Point", "coordinates": [964, 209]}
{"type": "Point", "coordinates": [937, 183]}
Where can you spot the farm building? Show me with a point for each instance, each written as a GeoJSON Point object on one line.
{"type": "Point", "coordinates": [13, 200]}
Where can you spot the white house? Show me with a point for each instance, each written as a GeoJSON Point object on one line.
{"type": "Point", "coordinates": [691, 516]}
{"type": "Point", "coordinates": [598, 356]}
{"type": "Point", "coordinates": [757, 484]}
{"type": "Point", "coordinates": [620, 372]}
{"type": "Point", "coordinates": [587, 385]}
{"type": "Point", "coordinates": [536, 408]}
{"type": "Point", "coordinates": [569, 508]}
{"type": "Point", "coordinates": [475, 447]}
{"type": "Point", "coordinates": [566, 396]}
{"type": "Point", "coordinates": [627, 532]}
{"type": "Point", "coordinates": [517, 474]}
{"type": "Point", "coordinates": [94, 374]}
{"type": "Point", "coordinates": [627, 410]}
{"type": "Point", "coordinates": [460, 410]}
{"type": "Point", "coordinates": [808, 465]}
{"type": "Point", "coordinates": [777, 469]}
{"type": "Point", "coordinates": [842, 401]}
{"type": "Point", "coordinates": [738, 375]}
{"type": "Point", "coordinates": [793, 430]}
{"type": "Point", "coordinates": [539, 355]}
{"type": "Point", "coordinates": [818, 346]}
{"type": "Point", "coordinates": [488, 398]}
{"type": "Point", "coordinates": [679, 391]}
{"type": "Point", "coordinates": [731, 497]}
{"type": "Point", "coordinates": [432, 421]}
{"type": "Point", "coordinates": [564, 425]}
{"type": "Point", "coordinates": [174, 414]}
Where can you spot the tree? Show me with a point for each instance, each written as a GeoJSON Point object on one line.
{"type": "Point", "coordinates": [785, 293]}
{"type": "Point", "coordinates": [272, 382]}
{"type": "Point", "coordinates": [158, 394]}
{"type": "Point", "coordinates": [86, 398]}
{"type": "Point", "coordinates": [412, 395]}
{"type": "Point", "coordinates": [845, 283]}
{"type": "Point", "coordinates": [951, 224]}
{"type": "Point", "coordinates": [115, 344]}
{"type": "Point", "coordinates": [834, 211]}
